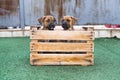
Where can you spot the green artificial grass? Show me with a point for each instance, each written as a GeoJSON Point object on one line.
{"type": "Point", "coordinates": [14, 63]}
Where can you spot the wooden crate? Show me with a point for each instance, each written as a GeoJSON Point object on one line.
{"type": "Point", "coordinates": [61, 47]}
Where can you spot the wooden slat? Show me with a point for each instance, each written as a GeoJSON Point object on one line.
{"type": "Point", "coordinates": [76, 28]}
{"type": "Point", "coordinates": [40, 59]}
{"type": "Point", "coordinates": [77, 59]}
{"type": "Point", "coordinates": [61, 47]}
{"type": "Point", "coordinates": [62, 35]}
{"type": "Point", "coordinates": [61, 59]}
{"type": "Point", "coordinates": [69, 41]}
{"type": "Point", "coordinates": [34, 52]}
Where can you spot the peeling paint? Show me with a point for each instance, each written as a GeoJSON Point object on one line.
{"type": "Point", "coordinates": [86, 11]}
{"type": "Point", "coordinates": [9, 13]}
{"type": "Point", "coordinates": [8, 6]}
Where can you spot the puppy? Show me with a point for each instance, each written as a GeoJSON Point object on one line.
{"type": "Point", "coordinates": [48, 22]}
{"type": "Point", "coordinates": [68, 22]}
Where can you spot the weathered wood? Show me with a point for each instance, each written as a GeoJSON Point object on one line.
{"type": "Point", "coordinates": [63, 35]}
{"type": "Point", "coordinates": [62, 41]}
{"type": "Point", "coordinates": [61, 59]}
{"type": "Point", "coordinates": [61, 47]}
{"type": "Point", "coordinates": [35, 52]}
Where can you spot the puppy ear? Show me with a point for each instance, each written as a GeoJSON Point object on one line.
{"type": "Point", "coordinates": [55, 20]}
{"type": "Point", "coordinates": [74, 20]}
{"type": "Point", "coordinates": [41, 20]}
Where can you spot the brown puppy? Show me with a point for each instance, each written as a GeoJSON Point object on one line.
{"type": "Point", "coordinates": [68, 22]}
{"type": "Point", "coordinates": [48, 22]}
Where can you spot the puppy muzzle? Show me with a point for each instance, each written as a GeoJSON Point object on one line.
{"type": "Point", "coordinates": [51, 26]}
{"type": "Point", "coordinates": [65, 25]}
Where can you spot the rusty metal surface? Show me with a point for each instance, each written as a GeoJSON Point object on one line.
{"type": "Point", "coordinates": [93, 11]}
{"type": "Point", "coordinates": [8, 6]}
{"type": "Point", "coordinates": [86, 11]}
{"type": "Point", "coordinates": [9, 12]}
{"type": "Point", "coordinates": [33, 10]}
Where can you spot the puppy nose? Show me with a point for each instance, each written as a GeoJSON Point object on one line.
{"type": "Point", "coordinates": [52, 24]}
{"type": "Point", "coordinates": [52, 28]}
{"type": "Point", "coordinates": [64, 22]}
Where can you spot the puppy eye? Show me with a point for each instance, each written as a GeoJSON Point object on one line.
{"type": "Point", "coordinates": [54, 20]}
{"type": "Point", "coordinates": [68, 20]}
{"type": "Point", "coordinates": [48, 20]}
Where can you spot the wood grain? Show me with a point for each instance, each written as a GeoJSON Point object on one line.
{"type": "Point", "coordinates": [62, 35]}
{"type": "Point", "coordinates": [61, 59]}
{"type": "Point", "coordinates": [61, 47]}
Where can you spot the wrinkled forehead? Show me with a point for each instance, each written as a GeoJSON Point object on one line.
{"type": "Point", "coordinates": [67, 18]}
{"type": "Point", "coordinates": [49, 17]}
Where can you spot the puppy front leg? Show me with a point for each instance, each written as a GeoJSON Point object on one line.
{"type": "Point", "coordinates": [44, 28]}
{"type": "Point", "coordinates": [71, 28]}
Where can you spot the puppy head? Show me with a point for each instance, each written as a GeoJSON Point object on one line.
{"type": "Point", "coordinates": [68, 22]}
{"type": "Point", "coordinates": [48, 22]}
